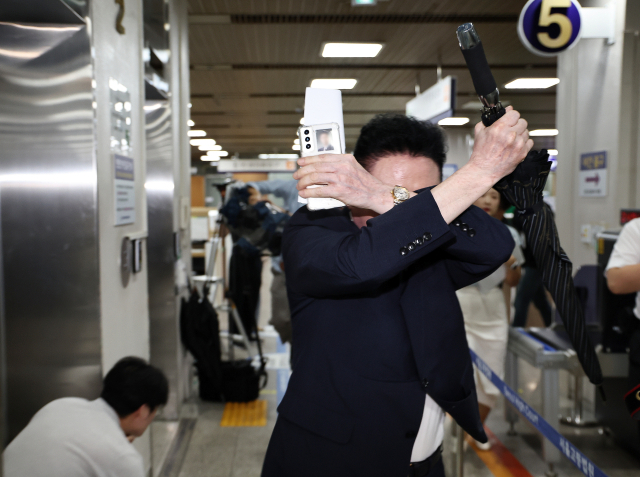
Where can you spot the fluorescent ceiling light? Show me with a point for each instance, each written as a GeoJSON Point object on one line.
{"type": "Point", "coordinates": [190, 105]}
{"type": "Point", "coordinates": [296, 141]}
{"type": "Point", "coordinates": [215, 152]}
{"type": "Point", "coordinates": [210, 147]}
{"type": "Point", "coordinates": [190, 123]}
{"type": "Point", "coordinates": [210, 158]}
{"type": "Point", "coordinates": [552, 152]}
{"type": "Point", "coordinates": [453, 121]}
{"type": "Point", "coordinates": [351, 50]}
{"type": "Point", "coordinates": [218, 153]}
{"type": "Point", "coordinates": [532, 83]}
{"type": "Point", "coordinates": [202, 142]}
{"type": "Point", "coordinates": [334, 83]}
{"type": "Point", "coordinates": [296, 147]}
{"type": "Point", "coordinates": [196, 133]}
{"type": "Point", "coordinates": [278, 156]}
{"type": "Point", "coordinates": [543, 132]}
{"type": "Point", "coordinates": [301, 120]}
{"type": "Point", "coordinates": [357, 3]}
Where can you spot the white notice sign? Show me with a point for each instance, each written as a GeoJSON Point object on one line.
{"type": "Point", "coordinates": [125, 192]}
{"type": "Point", "coordinates": [593, 174]}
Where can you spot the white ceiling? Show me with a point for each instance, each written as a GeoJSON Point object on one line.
{"type": "Point", "coordinates": [251, 60]}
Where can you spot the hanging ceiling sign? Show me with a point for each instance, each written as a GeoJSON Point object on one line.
{"type": "Point", "coordinates": [549, 27]}
{"type": "Point", "coordinates": [435, 103]}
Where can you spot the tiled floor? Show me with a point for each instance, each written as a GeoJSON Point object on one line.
{"type": "Point", "coordinates": [214, 451]}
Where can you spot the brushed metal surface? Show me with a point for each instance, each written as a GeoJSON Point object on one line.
{"type": "Point", "coordinates": [49, 217]}
{"type": "Point", "coordinates": [159, 186]}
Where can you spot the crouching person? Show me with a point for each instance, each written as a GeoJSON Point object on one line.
{"type": "Point", "coordinates": [73, 437]}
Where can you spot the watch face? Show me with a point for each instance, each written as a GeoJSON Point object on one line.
{"type": "Point", "coordinates": [401, 193]}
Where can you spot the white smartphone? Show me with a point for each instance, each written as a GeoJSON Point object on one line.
{"type": "Point", "coordinates": [320, 139]}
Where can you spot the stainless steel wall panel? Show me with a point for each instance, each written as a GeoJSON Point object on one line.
{"type": "Point", "coordinates": [163, 326]}
{"type": "Point", "coordinates": [49, 217]}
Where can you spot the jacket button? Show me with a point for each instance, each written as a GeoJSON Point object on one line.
{"type": "Point", "coordinates": [404, 251]}
{"type": "Point", "coordinates": [410, 246]}
{"type": "Point", "coordinates": [464, 227]}
{"type": "Point", "coordinates": [427, 236]}
{"type": "Point", "coordinates": [418, 241]}
{"type": "Point", "coordinates": [471, 232]}
{"type": "Point", "coordinates": [425, 382]}
{"type": "Point", "coordinates": [457, 222]}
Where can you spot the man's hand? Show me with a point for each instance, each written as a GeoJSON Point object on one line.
{"type": "Point", "coordinates": [498, 149]}
{"type": "Point", "coordinates": [344, 179]}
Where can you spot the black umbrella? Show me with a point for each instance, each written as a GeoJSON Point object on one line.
{"type": "Point", "coordinates": [523, 189]}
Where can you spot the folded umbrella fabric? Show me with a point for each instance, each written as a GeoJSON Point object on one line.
{"type": "Point", "coordinates": [523, 189]}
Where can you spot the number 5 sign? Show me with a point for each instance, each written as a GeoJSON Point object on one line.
{"type": "Point", "coordinates": [548, 27]}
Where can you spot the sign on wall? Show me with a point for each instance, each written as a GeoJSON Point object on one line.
{"type": "Point", "coordinates": [593, 174]}
{"type": "Point", "coordinates": [549, 27]}
{"type": "Point", "coordinates": [256, 165]}
{"type": "Point", "coordinates": [125, 190]}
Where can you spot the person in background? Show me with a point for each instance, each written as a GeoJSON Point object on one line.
{"type": "Point", "coordinates": [531, 289]}
{"type": "Point", "coordinates": [485, 312]}
{"type": "Point", "coordinates": [623, 277]}
{"type": "Point", "coordinates": [73, 437]}
{"type": "Point", "coordinates": [287, 191]}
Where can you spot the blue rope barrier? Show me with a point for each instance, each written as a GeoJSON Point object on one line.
{"type": "Point", "coordinates": [578, 459]}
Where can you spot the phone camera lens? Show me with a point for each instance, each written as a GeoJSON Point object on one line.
{"type": "Point", "coordinates": [306, 131]}
{"type": "Point", "coordinates": [308, 146]}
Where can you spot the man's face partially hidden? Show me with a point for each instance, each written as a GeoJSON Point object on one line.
{"type": "Point", "coordinates": [412, 172]}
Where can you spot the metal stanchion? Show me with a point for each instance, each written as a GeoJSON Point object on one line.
{"type": "Point", "coordinates": [459, 452]}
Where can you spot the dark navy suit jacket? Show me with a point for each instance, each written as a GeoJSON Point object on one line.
{"type": "Point", "coordinates": [376, 325]}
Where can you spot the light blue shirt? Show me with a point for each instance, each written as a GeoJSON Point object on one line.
{"type": "Point", "coordinates": [283, 188]}
{"type": "Point", "coordinates": [286, 190]}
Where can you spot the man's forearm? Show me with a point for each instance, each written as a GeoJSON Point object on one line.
{"type": "Point", "coordinates": [624, 279]}
{"type": "Point", "coordinates": [460, 191]}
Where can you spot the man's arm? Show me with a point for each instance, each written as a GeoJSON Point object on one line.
{"type": "Point", "coordinates": [497, 151]}
{"type": "Point", "coordinates": [482, 245]}
{"type": "Point", "coordinates": [324, 260]}
{"type": "Point", "coordinates": [623, 269]}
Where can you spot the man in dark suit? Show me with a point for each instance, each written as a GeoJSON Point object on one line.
{"type": "Point", "coordinates": [381, 352]}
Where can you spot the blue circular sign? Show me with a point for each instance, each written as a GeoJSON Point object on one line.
{"type": "Point", "coordinates": [549, 27]}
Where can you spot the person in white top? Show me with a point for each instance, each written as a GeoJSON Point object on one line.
{"type": "Point", "coordinates": [73, 437]}
{"type": "Point", "coordinates": [484, 309]}
{"type": "Point", "coordinates": [623, 277]}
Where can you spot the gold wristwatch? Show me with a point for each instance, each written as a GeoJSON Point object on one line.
{"type": "Point", "coordinates": [400, 194]}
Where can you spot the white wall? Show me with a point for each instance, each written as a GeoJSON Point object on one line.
{"type": "Point", "coordinates": [591, 109]}
{"type": "Point", "coordinates": [458, 141]}
{"type": "Point", "coordinates": [125, 317]}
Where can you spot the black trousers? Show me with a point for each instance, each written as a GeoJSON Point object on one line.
{"type": "Point", "coordinates": [634, 362]}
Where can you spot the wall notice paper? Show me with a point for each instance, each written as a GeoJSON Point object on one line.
{"type": "Point", "coordinates": [593, 174]}
{"type": "Point", "coordinates": [323, 106]}
{"type": "Point", "coordinates": [125, 192]}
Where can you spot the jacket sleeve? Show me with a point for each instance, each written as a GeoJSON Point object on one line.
{"type": "Point", "coordinates": [325, 255]}
{"type": "Point", "coordinates": [482, 245]}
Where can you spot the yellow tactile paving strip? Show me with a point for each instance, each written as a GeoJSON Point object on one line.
{"type": "Point", "coordinates": [245, 414]}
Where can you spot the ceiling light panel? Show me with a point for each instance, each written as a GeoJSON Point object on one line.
{"type": "Point", "coordinates": [351, 50]}
{"type": "Point", "coordinates": [334, 83]}
{"type": "Point", "coordinates": [532, 83]}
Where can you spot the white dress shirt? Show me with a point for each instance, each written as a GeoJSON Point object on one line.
{"type": "Point", "coordinates": [626, 252]}
{"type": "Point", "coordinates": [73, 437]}
{"type": "Point", "coordinates": [431, 432]}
